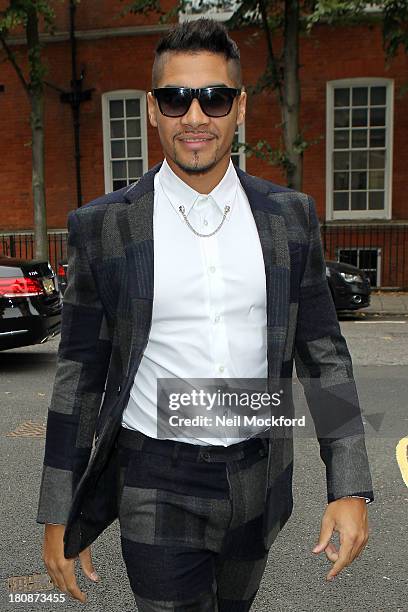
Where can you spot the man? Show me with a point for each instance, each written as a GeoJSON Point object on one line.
{"type": "Point", "coordinates": [197, 271]}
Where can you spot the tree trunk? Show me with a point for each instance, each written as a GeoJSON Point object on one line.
{"type": "Point", "coordinates": [291, 95]}
{"type": "Point", "coordinates": [38, 186]}
{"type": "Point", "coordinates": [37, 131]}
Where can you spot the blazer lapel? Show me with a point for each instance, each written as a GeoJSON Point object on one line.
{"type": "Point", "coordinates": [271, 226]}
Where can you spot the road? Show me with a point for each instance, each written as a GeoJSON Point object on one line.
{"type": "Point", "coordinates": [294, 578]}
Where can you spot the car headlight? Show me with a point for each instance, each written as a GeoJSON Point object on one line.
{"type": "Point", "coordinates": [351, 278]}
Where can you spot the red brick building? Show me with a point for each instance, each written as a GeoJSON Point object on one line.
{"type": "Point", "coordinates": [351, 107]}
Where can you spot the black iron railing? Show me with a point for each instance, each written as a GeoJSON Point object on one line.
{"type": "Point", "coordinates": [381, 249]}
{"type": "Point", "coordinates": [21, 245]}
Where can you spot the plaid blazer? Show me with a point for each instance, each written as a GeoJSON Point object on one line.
{"type": "Point", "coordinates": [106, 319]}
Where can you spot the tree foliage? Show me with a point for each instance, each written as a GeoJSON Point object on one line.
{"type": "Point", "coordinates": [286, 20]}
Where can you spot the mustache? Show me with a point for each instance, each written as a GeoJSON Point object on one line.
{"type": "Point", "coordinates": [190, 133]}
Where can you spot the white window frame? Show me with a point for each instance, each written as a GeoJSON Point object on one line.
{"type": "Point", "coordinates": [386, 213]}
{"type": "Point", "coordinates": [240, 129]}
{"type": "Point", "coordinates": [215, 13]}
{"type": "Point", "coordinates": [122, 94]}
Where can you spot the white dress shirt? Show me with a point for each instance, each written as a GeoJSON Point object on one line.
{"type": "Point", "coordinates": [209, 304]}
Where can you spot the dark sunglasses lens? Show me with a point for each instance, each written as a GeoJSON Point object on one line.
{"type": "Point", "coordinates": [174, 102]}
{"type": "Point", "coordinates": [216, 103]}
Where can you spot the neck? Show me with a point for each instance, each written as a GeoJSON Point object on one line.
{"type": "Point", "coordinates": [203, 182]}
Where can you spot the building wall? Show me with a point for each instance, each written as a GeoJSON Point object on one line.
{"type": "Point", "coordinates": [124, 62]}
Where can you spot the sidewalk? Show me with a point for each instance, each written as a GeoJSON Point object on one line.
{"type": "Point", "coordinates": [387, 303]}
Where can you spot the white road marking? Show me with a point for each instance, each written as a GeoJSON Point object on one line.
{"type": "Point", "coordinates": [379, 322]}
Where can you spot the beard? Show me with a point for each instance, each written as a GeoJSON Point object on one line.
{"type": "Point", "coordinates": [196, 166]}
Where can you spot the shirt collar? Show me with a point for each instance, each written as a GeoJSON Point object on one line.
{"type": "Point", "coordinates": [178, 192]}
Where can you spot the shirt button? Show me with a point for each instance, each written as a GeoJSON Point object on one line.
{"type": "Point", "coordinates": [205, 222]}
{"type": "Point", "coordinates": [221, 368]}
{"type": "Point", "coordinates": [217, 318]}
{"type": "Point", "coordinates": [212, 269]}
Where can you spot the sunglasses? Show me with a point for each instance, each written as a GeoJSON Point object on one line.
{"type": "Point", "coordinates": [214, 101]}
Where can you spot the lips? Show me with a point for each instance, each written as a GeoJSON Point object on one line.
{"type": "Point", "coordinates": [195, 142]}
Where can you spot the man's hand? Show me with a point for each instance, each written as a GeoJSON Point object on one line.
{"type": "Point", "coordinates": [348, 516]}
{"type": "Point", "coordinates": [62, 570]}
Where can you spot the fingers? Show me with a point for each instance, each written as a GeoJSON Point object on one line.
{"type": "Point", "coordinates": [350, 547]}
{"type": "Point", "coordinates": [331, 552]}
{"type": "Point", "coordinates": [326, 531]}
{"type": "Point", "coordinates": [88, 569]}
{"type": "Point", "coordinates": [63, 577]}
{"type": "Point", "coordinates": [60, 569]}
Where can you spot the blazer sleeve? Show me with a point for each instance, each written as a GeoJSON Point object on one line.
{"type": "Point", "coordinates": [324, 368]}
{"type": "Point", "coordinates": [82, 363]}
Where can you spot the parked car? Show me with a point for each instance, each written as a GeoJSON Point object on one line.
{"type": "Point", "coordinates": [62, 274]}
{"type": "Point", "coordinates": [30, 302]}
{"type": "Point", "coordinates": [349, 286]}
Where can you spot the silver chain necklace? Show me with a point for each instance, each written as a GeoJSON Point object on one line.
{"type": "Point", "coordinates": [226, 211]}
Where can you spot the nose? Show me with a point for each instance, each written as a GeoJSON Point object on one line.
{"type": "Point", "coordinates": [194, 116]}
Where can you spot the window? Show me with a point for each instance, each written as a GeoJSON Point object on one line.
{"type": "Point", "coordinates": [367, 260]}
{"type": "Point", "coordinates": [216, 9]}
{"type": "Point", "coordinates": [359, 148]}
{"type": "Point", "coordinates": [238, 157]}
{"type": "Point", "coordinates": [124, 138]}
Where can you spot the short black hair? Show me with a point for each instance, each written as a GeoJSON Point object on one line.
{"type": "Point", "coordinates": [194, 36]}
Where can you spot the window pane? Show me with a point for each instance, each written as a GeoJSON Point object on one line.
{"type": "Point", "coordinates": [359, 180]}
{"type": "Point", "coordinates": [119, 169]}
{"type": "Point", "coordinates": [377, 138]}
{"type": "Point", "coordinates": [134, 148]}
{"type": "Point", "coordinates": [377, 95]}
{"type": "Point", "coordinates": [342, 97]}
{"type": "Point", "coordinates": [341, 180]}
{"type": "Point", "coordinates": [376, 200]}
{"type": "Point", "coordinates": [117, 129]}
{"type": "Point", "coordinates": [133, 108]}
{"type": "Point", "coordinates": [118, 148]}
{"type": "Point", "coordinates": [348, 256]}
{"type": "Point", "coordinates": [367, 259]}
{"type": "Point", "coordinates": [341, 201]}
{"type": "Point", "coordinates": [135, 169]}
{"type": "Point", "coordinates": [359, 139]}
{"type": "Point", "coordinates": [116, 108]}
{"type": "Point", "coordinates": [376, 179]}
{"type": "Point", "coordinates": [342, 118]}
{"type": "Point", "coordinates": [359, 160]}
{"type": "Point", "coordinates": [133, 128]}
{"type": "Point", "coordinates": [377, 116]}
{"type": "Point", "coordinates": [341, 139]}
{"type": "Point", "coordinates": [119, 185]}
{"type": "Point", "coordinates": [341, 161]}
{"type": "Point", "coordinates": [377, 159]}
{"type": "Point", "coordinates": [358, 200]}
{"type": "Point", "coordinates": [359, 117]}
{"type": "Point", "coordinates": [360, 96]}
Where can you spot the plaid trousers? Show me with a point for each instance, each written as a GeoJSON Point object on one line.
{"type": "Point", "coordinates": [191, 522]}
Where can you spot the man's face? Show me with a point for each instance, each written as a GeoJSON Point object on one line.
{"type": "Point", "coordinates": [195, 142]}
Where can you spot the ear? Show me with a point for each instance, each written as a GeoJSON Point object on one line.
{"type": "Point", "coordinates": [152, 109]}
{"type": "Point", "coordinates": [242, 100]}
